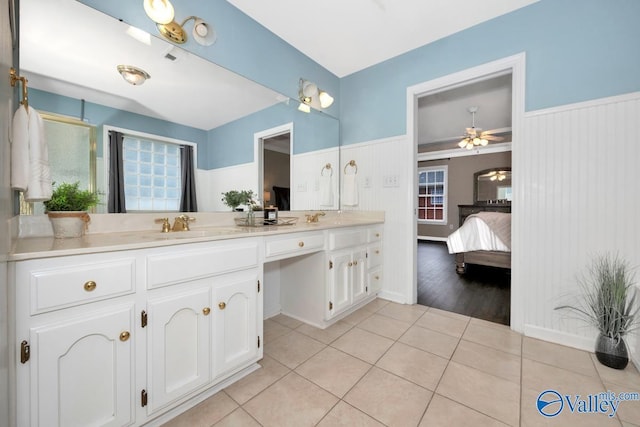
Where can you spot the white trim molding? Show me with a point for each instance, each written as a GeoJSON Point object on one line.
{"type": "Point", "coordinates": [514, 65]}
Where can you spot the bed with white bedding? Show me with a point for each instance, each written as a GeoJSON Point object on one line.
{"type": "Point", "coordinates": [484, 239]}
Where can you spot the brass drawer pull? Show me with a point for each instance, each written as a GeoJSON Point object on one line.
{"type": "Point", "coordinates": [206, 311]}
{"type": "Point", "coordinates": [355, 262]}
{"type": "Point", "coordinates": [301, 244]}
{"type": "Point", "coordinates": [222, 305]}
{"type": "Point", "coordinates": [124, 336]}
{"type": "Point", "coordinates": [90, 286]}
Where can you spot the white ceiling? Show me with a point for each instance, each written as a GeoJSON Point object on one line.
{"type": "Point", "coordinates": [346, 36]}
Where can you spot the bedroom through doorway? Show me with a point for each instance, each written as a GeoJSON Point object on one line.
{"type": "Point", "coordinates": [447, 191]}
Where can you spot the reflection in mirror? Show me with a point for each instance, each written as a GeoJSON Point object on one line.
{"type": "Point", "coordinates": [72, 148]}
{"type": "Point", "coordinates": [492, 186]}
{"type": "Point", "coordinates": [186, 98]}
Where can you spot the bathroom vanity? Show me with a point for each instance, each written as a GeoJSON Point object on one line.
{"type": "Point", "coordinates": [132, 328]}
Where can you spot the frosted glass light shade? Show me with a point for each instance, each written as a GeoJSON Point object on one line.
{"type": "Point", "coordinates": [160, 11]}
{"type": "Point", "coordinates": [325, 99]}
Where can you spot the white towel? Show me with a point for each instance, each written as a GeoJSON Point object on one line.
{"type": "Point", "coordinates": [350, 191]}
{"type": "Point", "coordinates": [326, 190]}
{"type": "Point", "coordinates": [30, 156]}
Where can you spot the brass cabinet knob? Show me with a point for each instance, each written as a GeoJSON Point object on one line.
{"type": "Point", "coordinates": [377, 234]}
{"type": "Point", "coordinates": [350, 264]}
{"type": "Point", "coordinates": [301, 244]}
{"type": "Point", "coordinates": [206, 311]}
{"type": "Point", "coordinates": [355, 262]}
{"type": "Point", "coordinates": [222, 305]}
{"type": "Point", "coordinates": [90, 285]}
{"type": "Point", "coordinates": [377, 277]}
{"type": "Point", "coordinates": [124, 336]}
{"type": "Point", "coordinates": [377, 251]}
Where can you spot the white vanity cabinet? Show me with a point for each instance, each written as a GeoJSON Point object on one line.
{"type": "Point", "coordinates": [374, 259]}
{"type": "Point", "coordinates": [203, 314]}
{"type": "Point", "coordinates": [349, 272]}
{"type": "Point", "coordinates": [74, 323]}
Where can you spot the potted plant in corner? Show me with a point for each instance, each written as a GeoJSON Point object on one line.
{"type": "Point", "coordinates": [67, 209]}
{"type": "Point", "coordinates": [608, 302]}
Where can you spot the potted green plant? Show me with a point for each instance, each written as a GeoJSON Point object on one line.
{"type": "Point", "coordinates": [235, 198]}
{"type": "Point", "coordinates": [67, 209]}
{"type": "Point", "coordinates": [608, 302]}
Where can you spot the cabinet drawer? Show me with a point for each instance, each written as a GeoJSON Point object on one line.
{"type": "Point", "coordinates": [374, 235]}
{"type": "Point", "coordinates": [345, 239]}
{"type": "Point", "coordinates": [375, 281]}
{"type": "Point", "coordinates": [78, 284]}
{"type": "Point", "coordinates": [169, 268]}
{"type": "Point", "coordinates": [300, 244]}
{"type": "Point", "coordinates": [374, 255]}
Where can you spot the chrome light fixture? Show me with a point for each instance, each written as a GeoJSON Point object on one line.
{"type": "Point", "coordinates": [134, 75]}
{"type": "Point", "coordinates": [162, 13]}
{"type": "Point", "coordinates": [312, 96]}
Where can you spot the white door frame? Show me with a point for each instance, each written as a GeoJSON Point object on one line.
{"type": "Point", "coordinates": [516, 66]}
{"type": "Point", "coordinates": [258, 156]}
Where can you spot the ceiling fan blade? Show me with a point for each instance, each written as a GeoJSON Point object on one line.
{"type": "Point", "coordinates": [490, 137]}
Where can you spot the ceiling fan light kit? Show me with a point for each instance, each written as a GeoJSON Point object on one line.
{"type": "Point", "coordinates": [474, 137]}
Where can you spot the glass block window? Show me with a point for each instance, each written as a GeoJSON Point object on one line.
{"type": "Point", "coordinates": [152, 175]}
{"type": "Point", "coordinates": [432, 195]}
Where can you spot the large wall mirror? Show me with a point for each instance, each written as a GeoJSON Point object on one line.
{"type": "Point", "coordinates": [73, 73]}
{"type": "Point", "coordinates": [492, 186]}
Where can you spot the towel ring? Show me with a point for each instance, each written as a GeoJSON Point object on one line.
{"type": "Point", "coordinates": [327, 167]}
{"type": "Point", "coordinates": [351, 163]}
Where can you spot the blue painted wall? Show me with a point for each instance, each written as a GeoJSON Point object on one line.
{"type": "Point", "coordinates": [99, 115]}
{"type": "Point", "coordinates": [576, 51]}
{"type": "Point", "coordinates": [243, 45]}
{"type": "Point", "coordinates": [232, 144]}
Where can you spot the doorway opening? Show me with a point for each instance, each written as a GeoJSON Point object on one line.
{"type": "Point", "coordinates": [513, 68]}
{"type": "Point", "coordinates": [274, 148]}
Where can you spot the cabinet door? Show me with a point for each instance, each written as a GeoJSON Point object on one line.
{"type": "Point", "coordinates": [178, 345]}
{"type": "Point", "coordinates": [359, 274]}
{"type": "Point", "coordinates": [235, 340]}
{"type": "Point", "coordinates": [340, 296]}
{"type": "Point", "coordinates": [82, 371]}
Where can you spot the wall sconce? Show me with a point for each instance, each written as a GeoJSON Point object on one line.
{"type": "Point", "coordinates": [162, 13]}
{"type": "Point", "coordinates": [312, 96]}
{"type": "Point", "coordinates": [134, 75]}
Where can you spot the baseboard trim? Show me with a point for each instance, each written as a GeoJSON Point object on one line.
{"type": "Point", "coordinates": [562, 338]}
{"type": "Point", "coordinates": [393, 296]}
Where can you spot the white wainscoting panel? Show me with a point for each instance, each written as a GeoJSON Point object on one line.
{"type": "Point", "coordinates": [305, 173]}
{"type": "Point", "coordinates": [377, 160]}
{"type": "Point", "coordinates": [217, 181]}
{"type": "Point", "coordinates": [577, 195]}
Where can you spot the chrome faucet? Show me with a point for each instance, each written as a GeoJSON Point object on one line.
{"type": "Point", "coordinates": [314, 217]}
{"type": "Point", "coordinates": [181, 223]}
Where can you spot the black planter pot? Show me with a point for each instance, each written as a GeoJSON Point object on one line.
{"type": "Point", "coordinates": [611, 352]}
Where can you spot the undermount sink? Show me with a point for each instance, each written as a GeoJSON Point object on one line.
{"type": "Point", "coordinates": [193, 234]}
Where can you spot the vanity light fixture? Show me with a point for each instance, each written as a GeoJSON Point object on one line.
{"type": "Point", "coordinates": [161, 10]}
{"type": "Point", "coordinates": [310, 95]}
{"type": "Point", "coordinates": [133, 75]}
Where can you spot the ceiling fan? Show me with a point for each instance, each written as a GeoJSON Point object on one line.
{"type": "Point", "coordinates": [474, 136]}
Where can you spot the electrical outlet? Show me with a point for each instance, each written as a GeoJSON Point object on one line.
{"type": "Point", "coordinates": [367, 182]}
{"type": "Point", "coordinates": [302, 187]}
{"type": "Point", "coordinates": [390, 181]}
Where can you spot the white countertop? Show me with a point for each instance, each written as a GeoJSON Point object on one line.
{"type": "Point", "coordinates": [116, 232]}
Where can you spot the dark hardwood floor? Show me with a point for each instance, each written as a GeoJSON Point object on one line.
{"type": "Point", "coordinates": [482, 292]}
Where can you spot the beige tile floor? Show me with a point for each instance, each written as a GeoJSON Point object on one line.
{"type": "Point", "coordinates": [389, 364]}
